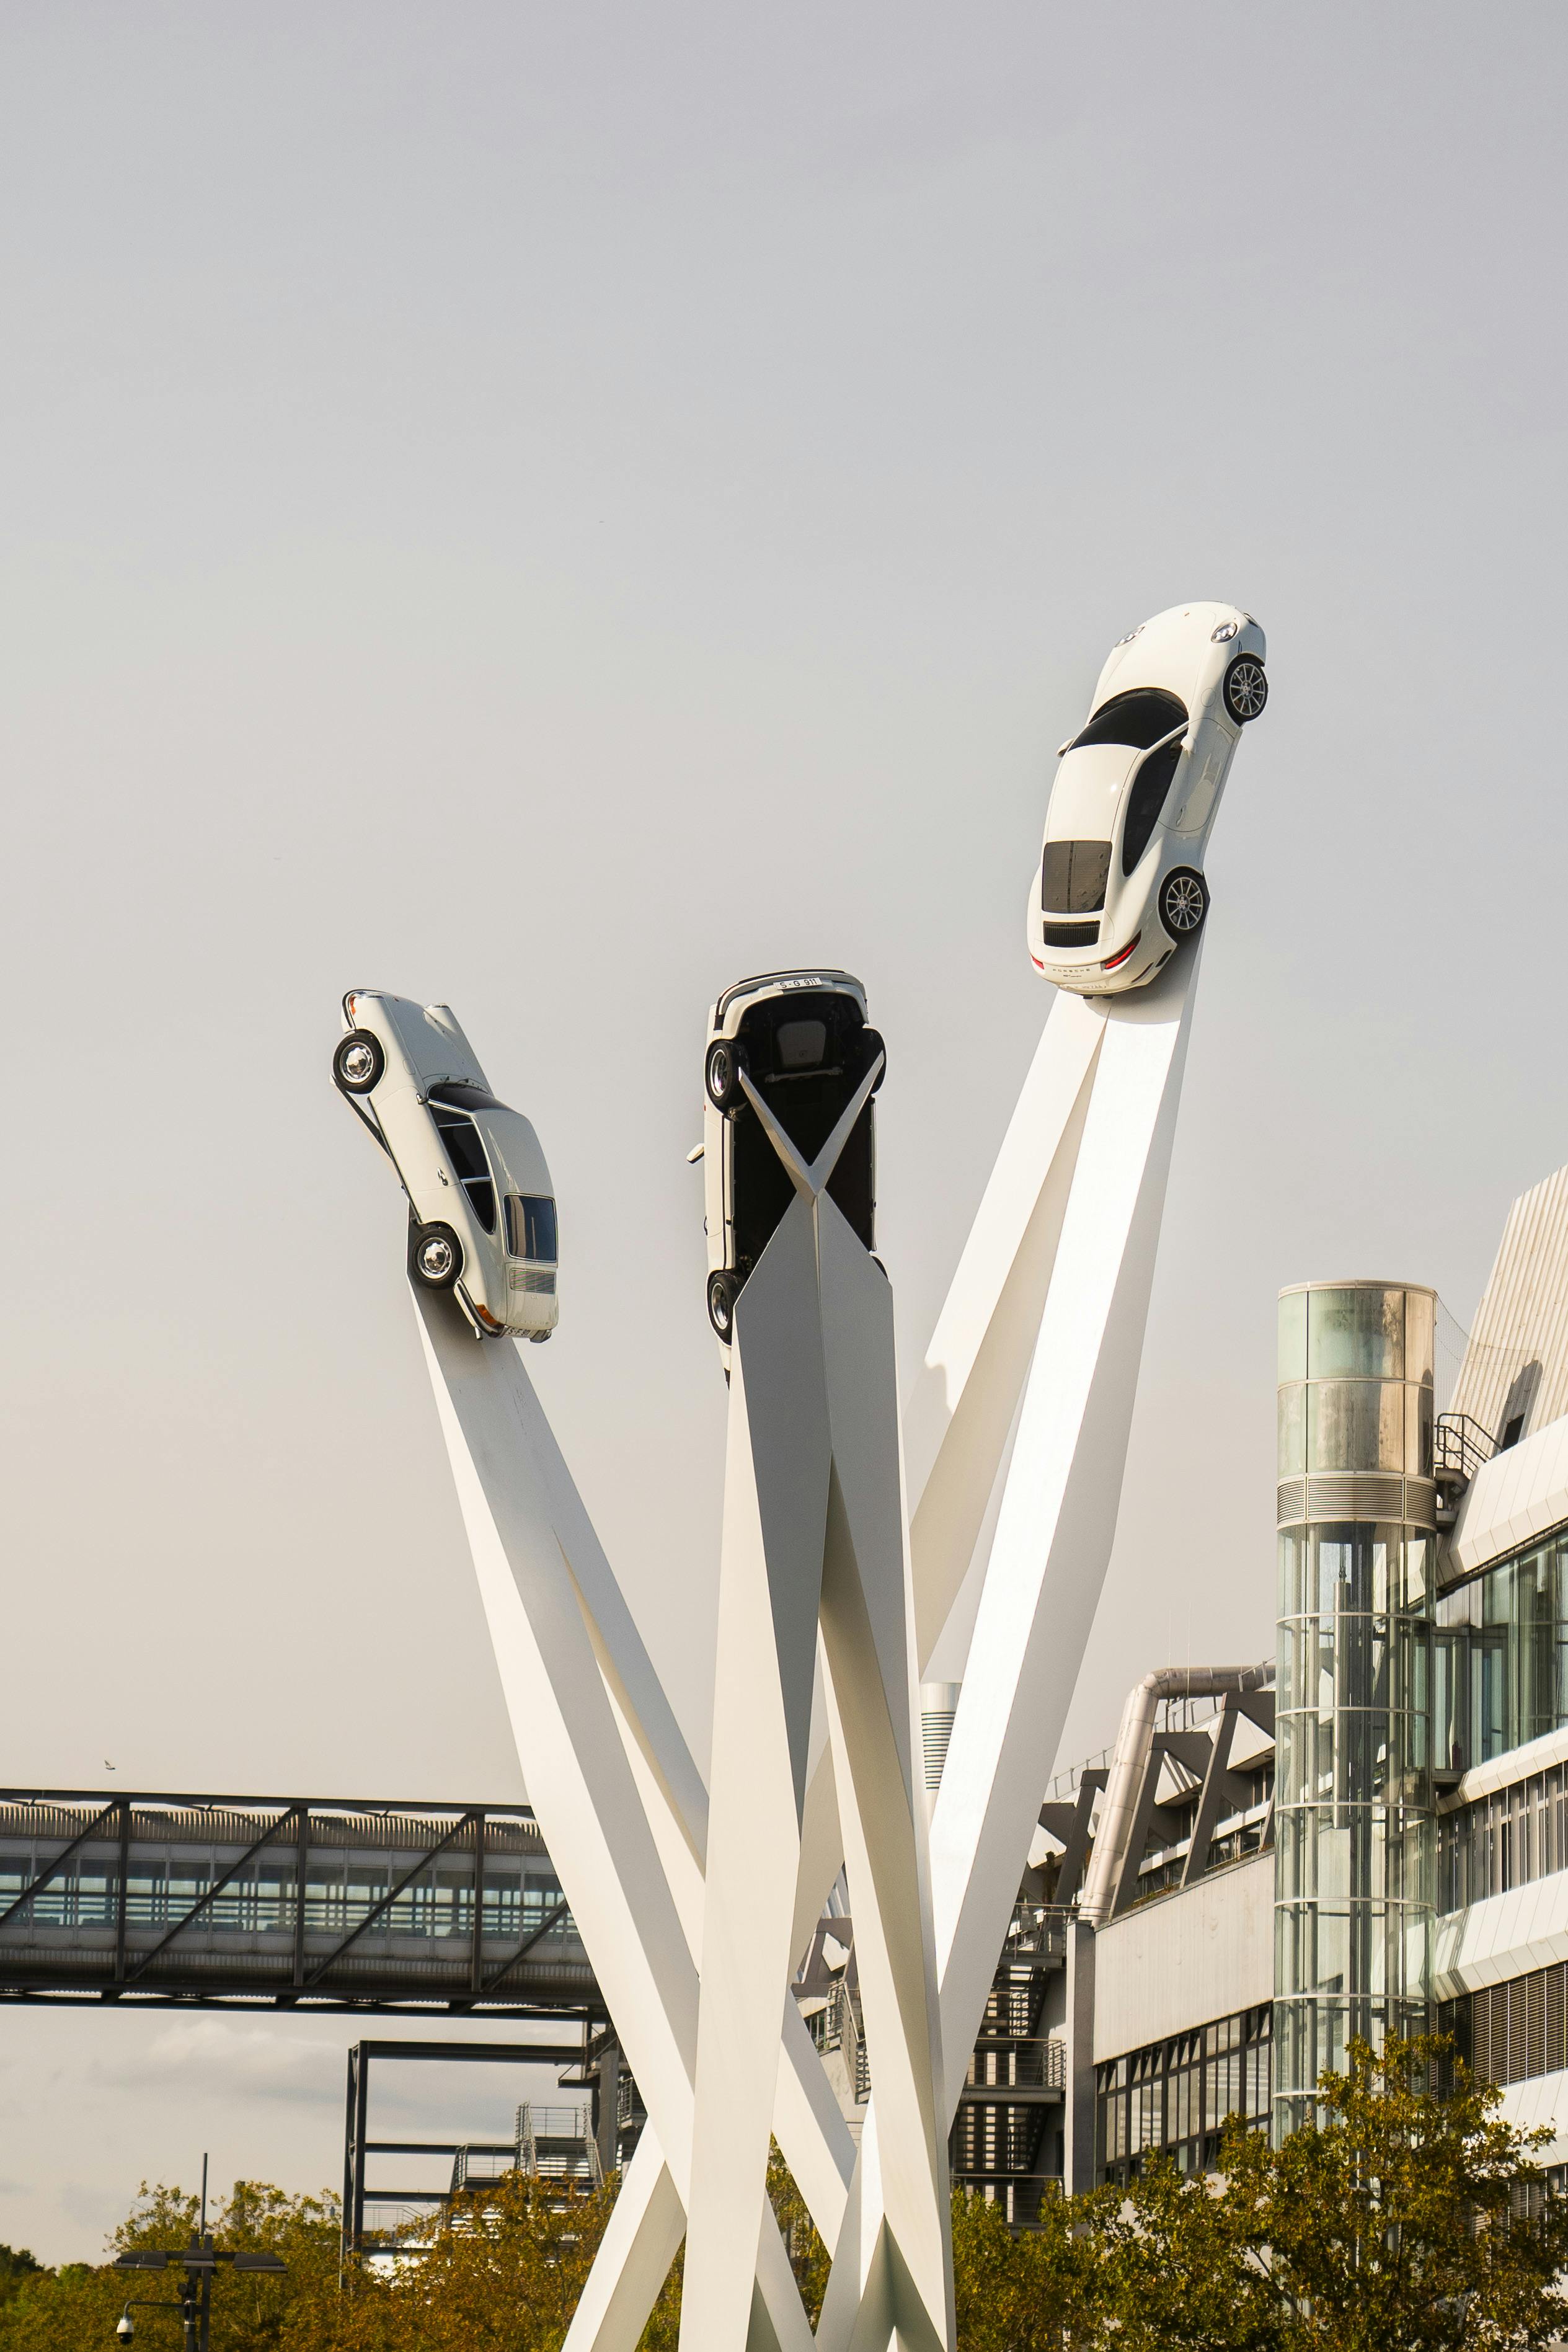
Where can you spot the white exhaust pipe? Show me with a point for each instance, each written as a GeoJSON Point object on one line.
{"type": "Point", "coordinates": [1134, 1742]}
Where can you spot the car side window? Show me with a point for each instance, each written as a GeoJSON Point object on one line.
{"type": "Point", "coordinates": [1145, 800]}
{"type": "Point", "coordinates": [1136, 718]}
{"type": "Point", "coordinates": [467, 1153]}
{"type": "Point", "coordinates": [531, 1227]}
{"type": "Point", "coordinates": [1073, 877]}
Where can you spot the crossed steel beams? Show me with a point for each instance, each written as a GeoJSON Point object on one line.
{"type": "Point", "coordinates": [1038, 1344]}
{"type": "Point", "coordinates": [813, 1563]}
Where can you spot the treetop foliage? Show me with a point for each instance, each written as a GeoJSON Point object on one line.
{"type": "Point", "coordinates": [1408, 2218]}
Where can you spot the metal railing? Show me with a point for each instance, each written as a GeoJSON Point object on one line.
{"type": "Point", "coordinates": [1022, 2065]}
{"type": "Point", "coordinates": [1460, 1445]}
{"type": "Point", "coordinates": [1038, 1931]}
{"type": "Point", "coordinates": [1172, 1715]}
{"type": "Point", "coordinates": [837, 2026]}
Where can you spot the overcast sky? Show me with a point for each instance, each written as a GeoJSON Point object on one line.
{"type": "Point", "coordinates": [552, 509]}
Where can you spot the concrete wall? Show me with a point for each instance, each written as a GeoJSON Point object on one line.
{"type": "Point", "coordinates": [1186, 1957]}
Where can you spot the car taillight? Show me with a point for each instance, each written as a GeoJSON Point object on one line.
{"type": "Point", "coordinates": [1113, 963]}
{"type": "Point", "coordinates": [1037, 963]}
{"type": "Point", "coordinates": [487, 1319]}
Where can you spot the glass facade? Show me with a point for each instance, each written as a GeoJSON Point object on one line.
{"type": "Point", "coordinates": [1505, 1840]}
{"type": "Point", "coordinates": [1353, 1822]}
{"type": "Point", "coordinates": [1172, 2098]}
{"type": "Point", "coordinates": [1502, 1656]}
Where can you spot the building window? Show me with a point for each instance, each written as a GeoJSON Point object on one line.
{"type": "Point", "coordinates": [1502, 1662]}
{"type": "Point", "coordinates": [1505, 1840]}
{"type": "Point", "coordinates": [1172, 2098]}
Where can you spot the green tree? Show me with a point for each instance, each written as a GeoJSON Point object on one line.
{"type": "Point", "coordinates": [76, 2307]}
{"type": "Point", "coordinates": [1041, 2291]}
{"type": "Point", "coordinates": [17, 2266]}
{"type": "Point", "coordinates": [808, 2254]}
{"type": "Point", "coordinates": [1408, 2218]}
{"type": "Point", "coordinates": [1184, 2267]}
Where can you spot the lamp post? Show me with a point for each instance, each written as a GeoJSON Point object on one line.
{"type": "Point", "coordinates": [200, 2261]}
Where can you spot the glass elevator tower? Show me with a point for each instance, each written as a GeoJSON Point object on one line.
{"type": "Point", "coordinates": [1353, 1819]}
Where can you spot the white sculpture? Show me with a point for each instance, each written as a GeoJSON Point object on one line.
{"type": "Point", "coordinates": [696, 1903]}
{"type": "Point", "coordinates": [1121, 884]}
{"type": "Point", "coordinates": [814, 1546]}
{"type": "Point", "coordinates": [481, 1206]}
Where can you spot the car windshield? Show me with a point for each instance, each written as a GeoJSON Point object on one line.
{"type": "Point", "coordinates": [1073, 877]}
{"type": "Point", "coordinates": [530, 1227]}
{"type": "Point", "coordinates": [464, 1097]}
{"type": "Point", "coordinates": [1138, 719]}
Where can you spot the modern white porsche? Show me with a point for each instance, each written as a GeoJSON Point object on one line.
{"type": "Point", "coordinates": [801, 1040]}
{"type": "Point", "coordinates": [1120, 884]}
{"type": "Point", "coordinates": [482, 1220]}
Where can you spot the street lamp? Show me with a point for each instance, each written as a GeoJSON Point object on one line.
{"type": "Point", "coordinates": [199, 2260]}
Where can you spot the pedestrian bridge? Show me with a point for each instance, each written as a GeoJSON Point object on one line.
{"type": "Point", "coordinates": [286, 1902]}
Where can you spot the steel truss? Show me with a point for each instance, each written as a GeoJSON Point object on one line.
{"type": "Point", "coordinates": [320, 1903]}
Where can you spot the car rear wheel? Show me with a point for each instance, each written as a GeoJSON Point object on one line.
{"type": "Point", "coordinates": [435, 1256]}
{"type": "Point", "coordinates": [1184, 902]}
{"type": "Point", "coordinates": [1245, 689]}
{"type": "Point", "coordinates": [358, 1062]}
{"type": "Point", "coordinates": [721, 1073]}
{"type": "Point", "coordinates": [721, 1293]}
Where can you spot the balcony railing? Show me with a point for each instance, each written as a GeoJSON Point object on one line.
{"type": "Point", "coordinates": [1035, 2065]}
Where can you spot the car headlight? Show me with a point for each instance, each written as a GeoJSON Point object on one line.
{"type": "Point", "coordinates": [1225, 631]}
{"type": "Point", "coordinates": [1130, 634]}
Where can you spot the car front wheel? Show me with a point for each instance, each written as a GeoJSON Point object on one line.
{"type": "Point", "coordinates": [721, 1290]}
{"type": "Point", "coordinates": [1245, 689]}
{"type": "Point", "coordinates": [358, 1062]}
{"type": "Point", "coordinates": [435, 1256]}
{"type": "Point", "coordinates": [721, 1073]}
{"type": "Point", "coordinates": [1184, 902]}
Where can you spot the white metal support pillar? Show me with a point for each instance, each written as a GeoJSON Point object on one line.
{"type": "Point", "coordinates": [1040, 1343]}
{"type": "Point", "coordinates": [813, 1545]}
{"type": "Point", "coordinates": [615, 1790]}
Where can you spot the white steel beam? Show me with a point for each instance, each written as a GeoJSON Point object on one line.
{"type": "Point", "coordinates": [1061, 1498]}
{"type": "Point", "coordinates": [590, 1771]}
{"type": "Point", "coordinates": [814, 1533]}
{"type": "Point", "coordinates": [1040, 1339]}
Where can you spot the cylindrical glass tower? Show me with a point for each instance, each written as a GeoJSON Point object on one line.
{"type": "Point", "coordinates": [1352, 1826]}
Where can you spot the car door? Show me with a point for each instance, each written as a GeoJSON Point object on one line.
{"type": "Point", "coordinates": [1206, 772]}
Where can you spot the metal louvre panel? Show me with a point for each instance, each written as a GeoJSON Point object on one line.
{"type": "Point", "coordinates": [1292, 1500]}
{"type": "Point", "coordinates": [1519, 2029]}
{"type": "Point", "coordinates": [1484, 2056]}
{"type": "Point", "coordinates": [1369, 1494]}
{"type": "Point", "coordinates": [1534, 1989]}
{"type": "Point", "coordinates": [1420, 1503]}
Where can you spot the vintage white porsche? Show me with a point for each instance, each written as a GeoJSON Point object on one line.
{"type": "Point", "coordinates": [802, 1041]}
{"type": "Point", "coordinates": [482, 1220]}
{"type": "Point", "coordinates": [1121, 884]}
